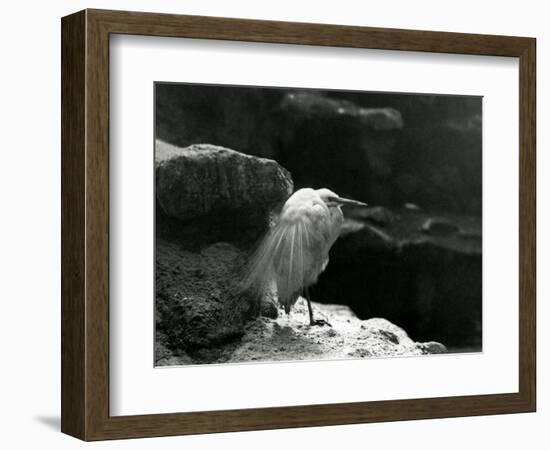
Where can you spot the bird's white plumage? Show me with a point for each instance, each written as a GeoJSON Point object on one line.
{"type": "Point", "coordinates": [295, 250]}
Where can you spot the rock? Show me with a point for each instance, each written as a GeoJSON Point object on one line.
{"type": "Point", "coordinates": [411, 206]}
{"type": "Point", "coordinates": [209, 181]}
{"type": "Point", "coordinates": [378, 215]}
{"type": "Point", "coordinates": [359, 240]}
{"type": "Point", "coordinates": [439, 226]}
{"type": "Point", "coordinates": [432, 347]}
{"type": "Point", "coordinates": [312, 105]}
{"type": "Point", "coordinates": [167, 357]}
{"type": "Point", "coordinates": [470, 235]}
{"type": "Point", "coordinates": [269, 307]}
{"type": "Point", "coordinates": [198, 303]}
{"type": "Point", "coordinates": [290, 338]}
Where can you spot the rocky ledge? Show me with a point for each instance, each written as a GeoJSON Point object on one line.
{"type": "Point", "coordinates": [291, 338]}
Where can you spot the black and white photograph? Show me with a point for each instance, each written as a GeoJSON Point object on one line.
{"type": "Point", "coordinates": [300, 224]}
{"type": "Point", "coordinates": [244, 225]}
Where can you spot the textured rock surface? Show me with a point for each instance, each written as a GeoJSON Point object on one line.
{"type": "Point", "coordinates": [207, 180]}
{"type": "Point", "coordinates": [291, 338]}
{"type": "Point", "coordinates": [166, 357]}
{"type": "Point", "coordinates": [196, 301]}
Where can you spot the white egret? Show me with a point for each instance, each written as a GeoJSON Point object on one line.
{"type": "Point", "coordinates": [295, 249]}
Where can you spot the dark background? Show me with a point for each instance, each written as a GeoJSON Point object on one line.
{"type": "Point", "coordinates": [411, 157]}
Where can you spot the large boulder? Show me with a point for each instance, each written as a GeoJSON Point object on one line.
{"type": "Point", "coordinates": [208, 200]}
{"type": "Point", "coordinates": [210, 181]}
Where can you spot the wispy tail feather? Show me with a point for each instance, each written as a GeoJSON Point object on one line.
{"type": "Point", "coordinates": [280, 258]}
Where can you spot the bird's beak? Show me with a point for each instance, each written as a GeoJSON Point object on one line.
{"type": "Point", "coordinates": [349, 202]}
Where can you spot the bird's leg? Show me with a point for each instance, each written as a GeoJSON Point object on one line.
{"type": "Point", "coordinates": [310, 309]}
{"type": "Point", "coordinates": [306, 294]}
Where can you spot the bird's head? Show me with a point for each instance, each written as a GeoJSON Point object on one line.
{"type": "Point", "coordinates": [332, 199]}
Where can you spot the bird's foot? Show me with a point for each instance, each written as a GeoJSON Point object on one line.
{"type": "Point", "coordinates": [319, 322]}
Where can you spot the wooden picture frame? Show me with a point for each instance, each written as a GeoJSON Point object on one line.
{"type": "Point", "coordinates": [85, 224]}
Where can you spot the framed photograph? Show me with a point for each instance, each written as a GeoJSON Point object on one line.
{"type": "Point", "coordinates": [272, 224]}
